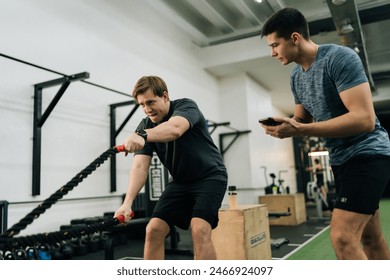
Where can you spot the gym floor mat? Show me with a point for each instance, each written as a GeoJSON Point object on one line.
{"type": "Point", "coordinates": [320, 247]}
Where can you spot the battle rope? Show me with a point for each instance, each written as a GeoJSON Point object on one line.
{"type": "Point", "coordinates": [56, 237]}
{"type": "Point", "coordinates": [46, 204]}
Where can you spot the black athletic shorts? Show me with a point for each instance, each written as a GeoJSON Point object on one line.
{"type": "Point", "coordinates": [361, 182]}
{"type": "Point", "coordinates": [180, 202]}
{"type": "Point", "coordinates": [320, 179]}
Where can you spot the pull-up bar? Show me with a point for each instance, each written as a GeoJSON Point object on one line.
{"type": "Point", "coordinates": [39, 118]}
{"type": "Point", "coordinates": [61, 74]}
{"type": "Point", "coordinates": [237, 133]}
{"type": "Point", "coordinates": [114, 133]}
{"type": "Point", "coordinates": [64, 82]}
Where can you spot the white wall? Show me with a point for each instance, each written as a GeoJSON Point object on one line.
{"type": "Point", "coordinates": [116, 42]}
{"type": "Point", "coordinates": [243, 103]}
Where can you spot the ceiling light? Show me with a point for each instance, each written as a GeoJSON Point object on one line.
{"type": "Point", "coordinates": [318, 153]}
{"type": "Point", "coordinates": [346, 29]}
{"type": "Point", "coordinates": [338, 2]}
{"type": "Point", "coordinates": [356, 49]}
{"type": "Point", "coordinates": [258, 1]}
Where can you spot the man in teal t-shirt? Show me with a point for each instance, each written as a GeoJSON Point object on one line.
{"type": "Point", "coordinates": [333, 100]}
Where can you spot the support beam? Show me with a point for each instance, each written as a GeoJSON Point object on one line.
{"type": "Point", "coordinates": [114, 133]}
{"type": "Point", "coordinates": [223, 136]}
{"type": "Point", "coordinates": [3, 215]}
{"type": "Point", "coordinates": [39, 120]}
{"type": "Point", "coordinates": [214, 126]}
{"type": "Point", "coordinates": [347, 21]}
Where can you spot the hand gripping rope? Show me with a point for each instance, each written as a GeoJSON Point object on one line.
{"type": "Point", "coordinates": [54, 237]}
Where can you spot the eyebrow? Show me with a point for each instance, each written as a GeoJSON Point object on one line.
{"type": "Point", "coordinates": [148, 101]}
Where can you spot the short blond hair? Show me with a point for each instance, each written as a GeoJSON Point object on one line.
{"type": "Point", "coordinates": [156, 84]}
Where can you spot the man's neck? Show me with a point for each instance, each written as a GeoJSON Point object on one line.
{"type": "Point", "coordinates": [308, 55]}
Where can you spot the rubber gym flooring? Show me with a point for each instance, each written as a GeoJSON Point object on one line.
{"type": "Point", "coordinates": [320, 248]}
{"type": "Point", "coordinates": [308, 241]}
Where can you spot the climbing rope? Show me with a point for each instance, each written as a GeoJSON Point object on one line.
{"type": "Point", "coordinates": [6, 237]}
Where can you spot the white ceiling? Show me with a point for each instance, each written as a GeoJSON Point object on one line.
{"type": "Point", "coordinates": [217, 25]}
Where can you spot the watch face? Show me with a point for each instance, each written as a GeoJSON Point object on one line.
{"type": "Point", "coordinates": [142, 133]}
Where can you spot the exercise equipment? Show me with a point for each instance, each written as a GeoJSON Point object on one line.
{"type": "Point", "coordinates": [80, 237]}
{"type": "Point", "coordinates": [47, 203]}
{"type": "Point", "coordinates": [3, 215]}
{"type": "Point", "coordinates": [276, 189]}
{"type": "Point", "coordinates": [14, 246]}
{"type": "Point", "coordinates": [39, 119]}
{"type": "Point", "coordinates": [278, 242]}
{"type": "Point", "coordinates": [272, 188]}
{"type": "Point", "coordinates": [59, 245]}
{"type": "Point", "coordinates": [313, 192]}
{"type": "Point", "coordinates": [115, 235]}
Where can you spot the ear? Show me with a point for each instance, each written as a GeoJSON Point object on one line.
{"type": "Point", "coordinates": [295, 37]}
{"type": "Point", "coordinates": [165, 95]}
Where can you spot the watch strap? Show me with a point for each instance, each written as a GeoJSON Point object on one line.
{"type": "Point", "coordinates": [142, 133]}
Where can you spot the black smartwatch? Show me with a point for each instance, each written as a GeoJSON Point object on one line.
{"type": "Point", "coordinates": [142, 133]}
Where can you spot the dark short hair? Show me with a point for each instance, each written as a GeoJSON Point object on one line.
{"type": "Point", "coordinates": [285, 22]}
{"type": "Point", "coordinates": [156, 84]}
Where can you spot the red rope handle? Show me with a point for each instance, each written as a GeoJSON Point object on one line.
{"type": "Point", "coordinates": [120, 148]}
{"type": "Point", "coordinates": [121, 218]}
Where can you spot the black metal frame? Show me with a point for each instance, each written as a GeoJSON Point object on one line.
{"type": "Point", "coordinates": [3, 215]}
{"type": "Point", "coordinates": [39, 120]}
{"type": "Point", "coordinates": [213, 126]}
{"type": "Point", "coordinates": [114, 133]}
{"type": "Point", "coordinates": [223, 136]}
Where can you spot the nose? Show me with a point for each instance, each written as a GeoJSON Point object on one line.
{"type": "Point", "coordinates": [147, 109]}
{"type": "Point", "coordinates": [273, 53]}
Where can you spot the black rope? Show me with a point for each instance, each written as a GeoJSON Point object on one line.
{"type": "Point", "coordinates": [56, 237]}
{"type": "Point", "coordinates": [47, 203]}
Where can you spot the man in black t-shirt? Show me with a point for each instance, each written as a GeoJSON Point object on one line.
{"type": "Point", "coordinates": [177, 132]}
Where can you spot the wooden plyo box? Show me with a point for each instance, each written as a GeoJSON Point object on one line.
{"type": "Point", "coordinates": [295, 203]}
{"type": "Point", "coordinates": [243, 233]}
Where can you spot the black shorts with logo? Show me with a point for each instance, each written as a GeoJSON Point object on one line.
{"type": "Point", "coordinates": [180, 202]}
{"type": "Point", "coordinates": [361, 182]}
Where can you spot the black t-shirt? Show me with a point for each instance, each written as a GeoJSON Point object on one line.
{"type": "Point", "coordinates": [194, 155]}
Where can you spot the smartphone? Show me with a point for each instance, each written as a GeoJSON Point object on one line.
{"type": "Point", "coordinates": [269, 121]}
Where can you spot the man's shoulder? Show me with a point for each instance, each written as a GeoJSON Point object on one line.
{"type": "Point", "coordinates": [331, 47]}
{"type": "Point", "coordinates": [177, 103]}
{"type": "Point", "coordinates": [183, 100]}
{"type": "Point", "coordinates": [333, 50]}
